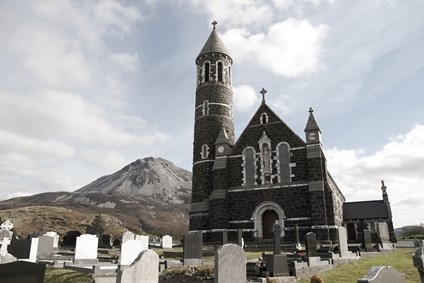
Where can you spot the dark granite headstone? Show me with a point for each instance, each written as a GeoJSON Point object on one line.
{"type": "Point", "coordinates": [224, 237]}
{"type": "Point", "coordinates": [192, 252]}
{"type": "Point", "coordinates": [311, 245]}
{"type": "Point", "coordinates": [296, 232]}
{"type": "Point", "coordinates": [240, 237]}
{"type": "Point", "coordinates": [276, 230]}
{"type": "Point", "coordinates": [22, 271]}
{"type": "Point", "coordinates": [277, 264]}
{"type": "Point", "coordinates": [71, 238]}
{"type": "Point", "coordinates": [116, 243]}
{"type": "Point", "coordinates": [20, 248]}
{"type": "Point", "coordinates": [418, 259]}
{"type": "Point", "coordinates": [106, 241]}
{"type": "Point", "coordinates": [367, 244]}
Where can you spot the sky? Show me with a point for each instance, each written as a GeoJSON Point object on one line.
{"type": "Point", "coordinates": [86, 87]}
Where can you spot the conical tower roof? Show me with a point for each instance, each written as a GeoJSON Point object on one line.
{"type": "Point", "coordinates": [311, 125]}
{"type": "Point", "coordinates": [214, 44]}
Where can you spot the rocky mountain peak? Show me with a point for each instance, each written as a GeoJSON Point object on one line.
{"type": "Point", "coordinates": [156, 178]}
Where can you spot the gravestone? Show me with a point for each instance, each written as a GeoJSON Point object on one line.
{"type": "Point", "coordinates": [71, 238]}
{"type": "Point", "coordinates": [130, 250]}
{"type": "Point", "coordinates": [367, 243]}
{"type": "Point", "coordinates": [22, 271]}
{"type": "Point", "coordinates": [144, 241]}
{"type": "Point", "coordinates": [383, 233]}
{"type": "Point", "coordinates": [45, 247]}
{"type": "Point", "coordinates": [127, 236]}
{"type": "Point", "coordinates": [20, 248]}
{"type": "Point", "coordinates": [418, 259]}
{"type": "Point", "coordinates": [342, 241]}
{"type": "Point", "coordinates": [145, 268]}
{"type": "Point", "coordinates": [240, 237]}
{"type": "Point", "coordinates": [55, 237]}
{"type": "Point", "coordinates": [311, 245]}
{"type": "Point", "coordinates": [192, 252]}
{"type": "Point", "coordinates": [116, 243]}
{"type": "Point", "coordinates": [166, 242]}
{"type": "Point", "coordinates": [6, 225]}
{"type": "Point", "coordinates": [296, 233]}
{"type": "Point", "coordinates": [383, 274]}
{"type": "Point", "coordinates": [34, 250]}
{"type": "Point", "coordinates": [3, 248]}
{"type": "Point", "coordinates": [230, 264]}
{"type": "Point", "coordinates": [106, 241]}
{"type": "Point", "coordinates": [86, 249]}
{"type": "Point", "coordinates": [224, 237]}
{"type": "Point", "coordinates": [276, 263]}
{"type": "Point", "coordinates": [276, 230]}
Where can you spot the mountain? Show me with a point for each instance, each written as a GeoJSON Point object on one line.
{"type": "Point", "coordinates": [150, 193]}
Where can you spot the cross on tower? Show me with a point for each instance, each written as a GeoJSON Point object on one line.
{"type": "Point", "coordinates": [311, 110]}
{"type": "Point", "coordinates": [263, 91]}
{"type": "Point", "coordinates": [214, 23]}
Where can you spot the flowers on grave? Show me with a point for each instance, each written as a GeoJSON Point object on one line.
{"type": "Point", "coordinates": [261, 264]}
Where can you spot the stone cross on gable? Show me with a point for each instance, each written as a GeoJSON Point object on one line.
{"type": "Point", "coordinates": [7, 225]}
{"type": "Point", "coordinates": [276, 229]}
{"type": "Point", "coordinates": [263, 91]}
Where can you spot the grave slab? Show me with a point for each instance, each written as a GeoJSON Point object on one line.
{"type": "Point", "coordinates": [383, 274]}
{"type": "Point", "coordinates": [230, 264]}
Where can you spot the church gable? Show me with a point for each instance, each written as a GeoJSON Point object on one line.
{"type": "Point", "coordinates": [265, 120]}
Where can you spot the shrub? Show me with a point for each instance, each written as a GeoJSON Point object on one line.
{"type": "Point", "coordinates": [316, 279]}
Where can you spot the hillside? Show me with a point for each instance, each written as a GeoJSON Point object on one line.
{"type": "Point", "coordinates": [151, 193]}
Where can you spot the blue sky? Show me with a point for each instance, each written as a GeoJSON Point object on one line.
{"type": "Point", "coordinates": [87, 87]}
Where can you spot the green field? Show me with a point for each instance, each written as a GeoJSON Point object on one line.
{"type": "Point", "coordinates": [400, 259]}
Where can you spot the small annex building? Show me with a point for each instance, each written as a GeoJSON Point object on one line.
{"type": "Point", "coordinates": [269, 174]}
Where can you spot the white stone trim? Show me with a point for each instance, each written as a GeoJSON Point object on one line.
{"type": "Point", "coordinates": [298, 218]}
{"type": "Point", "coordinates": [202, 161]}
{"type": "Point", "coordinates": [240, 221]}
{"type": "Point", "coordinates": [259, 211]}
{"type": "Point", "coordinates": [270, 187]}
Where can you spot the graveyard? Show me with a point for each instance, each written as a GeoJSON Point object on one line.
{"type": "Point", "coordinates": [97, 257]}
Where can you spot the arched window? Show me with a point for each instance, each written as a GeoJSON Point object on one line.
{"type": "Point", "coordinates": [220, 72]}
{"type": "Point", "coordinates": [284, 162]}
{"type": "Point", "coordinates": [205, 108]}
{"type": "Point", "coordinates": [249, 166]}
{"type": "Point", "coordinates": [264, 118]}
{"type": "Point", "coordinates": [206, 69]}
{"type": "Point", "coordinates": [205, 151]}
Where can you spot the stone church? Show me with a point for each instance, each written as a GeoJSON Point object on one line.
{"type": "Point", "coordinates": [269, 174]}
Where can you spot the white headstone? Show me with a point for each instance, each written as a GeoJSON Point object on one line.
{"type": "Point", "coordinates": [130, 250]}
{"type": "Point", "coordinates": [86, 249]}
{"type": "Point", "coordinates": [34, 249]}
{"type": "Point", "coordinates": [145, 268]}
{"type": "Point", "coordinates": [144, 241]}
{"type": "Point", "coordinates": [55, 237]}
{"type": "Point", "coordinates": [4, 243]}
{"type": "Point", "coordinates": [127, 236]}
{"type": "Point", "coordinates": [166, 242]}
{"type": "Point", "coordinates": [230, 264]}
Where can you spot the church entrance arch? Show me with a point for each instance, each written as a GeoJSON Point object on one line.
{"type": "Point", "coordinates": [264, 217]}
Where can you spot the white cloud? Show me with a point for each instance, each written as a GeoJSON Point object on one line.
{"type": "Point", "coordinates": [400, 164]}
{"type": "Point", "coordinates": [129, 62]}
{"type": "Point", "coordinates": [290, 48]}
{"type": "Point", "coordinates": [245, 98]}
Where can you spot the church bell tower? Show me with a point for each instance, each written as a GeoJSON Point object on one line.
{"type": "Point", "coordinates": [213, 115]}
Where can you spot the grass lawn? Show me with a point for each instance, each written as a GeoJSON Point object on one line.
{"type": "Point", "coordinates": [400, 259]}
{"type": "Point", "coordinates": [61, 275]}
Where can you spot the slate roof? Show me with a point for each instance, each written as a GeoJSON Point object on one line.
{"type": "Point", "coordinates": [214, 44]}
{"type": "Point", "coordinates": [374, 209]}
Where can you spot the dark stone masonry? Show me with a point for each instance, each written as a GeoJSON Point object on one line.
{"type": "Point", "coordinates": [269, 174]}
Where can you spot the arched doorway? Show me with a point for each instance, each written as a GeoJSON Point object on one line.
{"type": "Point", "coordinates": [268, 219]}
